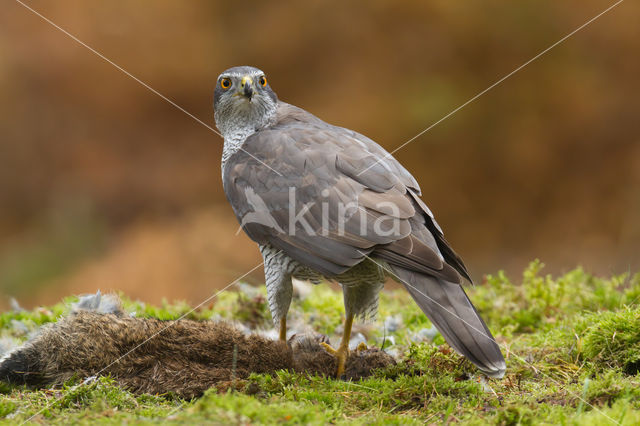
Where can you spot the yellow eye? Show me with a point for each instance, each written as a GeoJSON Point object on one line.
{"type": "Point", "coordinates": [263, 81]}
{"type": "Point", "coordinates": [225, 83]}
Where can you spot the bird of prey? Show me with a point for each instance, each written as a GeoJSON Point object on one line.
{"type": "Point", "coordinates": [326, 203]}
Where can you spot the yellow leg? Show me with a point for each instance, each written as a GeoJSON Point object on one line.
{"type": "Point", "coordinates": [283, 329]}
{"type": "Point", "coordinates": [342, 353]}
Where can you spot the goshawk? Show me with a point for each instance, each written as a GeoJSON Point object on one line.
{"type": "Point", "coordinates": [327, 203]}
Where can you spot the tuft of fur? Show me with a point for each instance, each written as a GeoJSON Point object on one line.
{"type": "Point", "coordinates": [107, 304]}
{"type": "Point", "coordinates": [146, 355]}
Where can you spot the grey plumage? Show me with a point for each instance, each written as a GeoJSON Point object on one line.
{"type": "Point", "coordinates": [279, 158]}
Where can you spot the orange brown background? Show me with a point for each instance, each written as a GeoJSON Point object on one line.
{"type": "Point", "coordinates": [105, 185]}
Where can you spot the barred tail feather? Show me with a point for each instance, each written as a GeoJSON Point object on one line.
{"type": "Point", "coordinates": [450, 310]}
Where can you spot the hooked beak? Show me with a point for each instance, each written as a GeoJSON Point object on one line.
{"type": "Point", "coordinates": [247, 87]}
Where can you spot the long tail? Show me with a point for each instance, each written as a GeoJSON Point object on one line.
{"type": "Point", "coordinates": [450, 310]}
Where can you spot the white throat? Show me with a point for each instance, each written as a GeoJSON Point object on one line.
{"type": "Point", "coordinates": [241, 123]}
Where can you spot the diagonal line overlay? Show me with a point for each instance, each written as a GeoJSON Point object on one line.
{"type": "Point", "coordinates": [492, 86]}
{"type": "Point", "coordinates": [142, 83]}
{"type": "Point", "coordinates": [382, 159]}
{"type": "Point", "coordinates": [213, 296]}
{"type": "Point", "coordinates": [479, 331]}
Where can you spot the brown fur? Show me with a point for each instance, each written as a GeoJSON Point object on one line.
{"type": "Point", "coordinates": [184, 356]}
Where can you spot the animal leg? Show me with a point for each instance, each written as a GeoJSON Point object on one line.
{"type": "Point", "coordinates": [342, 353]}
{"type": "Point", "coordinates": [283, 329]}
{"type": "Point", "coordinates": [279, 287]}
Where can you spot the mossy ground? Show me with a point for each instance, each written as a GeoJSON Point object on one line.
{"type": "Point", "coordinates": [572, 345]}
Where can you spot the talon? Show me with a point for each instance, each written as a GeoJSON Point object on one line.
{"type": "Point", "coordinates": [341, 354]}
{"type": "Point", "coordinates": [327, 347]}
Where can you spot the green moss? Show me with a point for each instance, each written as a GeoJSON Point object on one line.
{"type": "Point", "coordinates": [542, 302]}
{"type": "Point", "coordinates": [234, 408]}
{"type": "Point", "coordinates": [36, 317]}
{"type": "Point", "coordinates": [571, 344]}
{"type": "Point", "coordinates": [611, 339]}
{"type": "Point", "coordinates": [99, 400]}
{"type": "Point", "coordinates": [323, 309]}
{"type": "Point", "coordinates": [7, 407]}
{"type": "Point", "coordinates": [253, 311]}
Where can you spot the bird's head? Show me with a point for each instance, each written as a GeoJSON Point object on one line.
{"type": "Point", "coordinates": [243, 100]}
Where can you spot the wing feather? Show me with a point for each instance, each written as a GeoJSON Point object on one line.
{"type": "Point", "coordinates": [338, 196]}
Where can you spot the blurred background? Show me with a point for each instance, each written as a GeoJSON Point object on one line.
{"type": "Point", "coordinates": [105, 185]}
